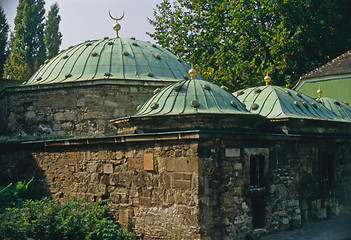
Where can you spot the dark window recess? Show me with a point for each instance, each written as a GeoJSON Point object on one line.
{"type": "Point", "coordinates": [256, 171]}
{"type": "Point", "coordinates": [327, 168]}
{"type": "Point", "coordinates": [258, 211]}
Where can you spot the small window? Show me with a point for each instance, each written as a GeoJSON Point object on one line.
{"type": "Point", "coordinates": [256, 170]}
{"type": "Point", "coordinates": [327, 168]}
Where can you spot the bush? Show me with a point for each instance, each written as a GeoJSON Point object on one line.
{"type": "Point", "coordinates": [46, 219]}
{"type": "Point", "coordinates": [10, 195]}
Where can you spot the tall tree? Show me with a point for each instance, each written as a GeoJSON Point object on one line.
{"type": "Point", "coordinates": [28, 36]}
{"type": "Point", "coordinates": [4, 30]}
{"type": "Point", "coordinates": [236, 42]}
{"type": "Point", "coordinates": [16, 67]}
{"type": "Point", "coordinates": [52, 35]}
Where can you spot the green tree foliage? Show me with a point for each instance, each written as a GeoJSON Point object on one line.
{"type": "Point", "coordinates": [48, 220]}
{"type": "Point", "coordinates": [4, 31]}
{"type": "Point", "coordinates": [16, 67]}
{"type": "Point", "coordinates": [236, 42]}
{"type": "Point", "coordinates": [52, 35]}
{"type": "Point", "coordinates": [28, 38]}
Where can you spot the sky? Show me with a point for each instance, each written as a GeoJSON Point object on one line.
{"type": "Point", "coordinates": [83, 20]}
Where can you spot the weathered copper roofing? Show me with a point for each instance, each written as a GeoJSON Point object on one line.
{"type": "Point", "coordinates": [189, 97]}
{"type": "Point", "coordinates": [339, 108]}
{"type": "Point", "coordinates": [276, 102]}
{"type": "Point", "coordinates": [115, 59]}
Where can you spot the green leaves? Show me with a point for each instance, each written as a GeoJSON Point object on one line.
{"type": "Point", "coordinates": [28, 38]}
{"type": "Point", "coordinates": [4, 30]}
{"type": "Point", "coordinates": [46, 219]}
{"type": "Point", "coordinates": [52, 35]}
{"type": "Point", "coordinates": [236, 42]}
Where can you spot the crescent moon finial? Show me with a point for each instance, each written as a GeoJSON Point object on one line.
{"type": "Point", "coordinates": [121, 17]}
{"type": "Point", "coordinates": [116, 26]}
{"type": "Point", "coordinates": [109, 13]}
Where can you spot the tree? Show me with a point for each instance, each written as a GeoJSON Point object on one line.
{"type": "Point", "coordinates": [52, 35]}
{"type": "Point", "coordinates": [236, 42]}
{"type": "Point", "coordinates": [4, 30]}
{"type": "Point", "coordinates": [28, 36]}
{"type": "Point", "coordinates": [16, 67]}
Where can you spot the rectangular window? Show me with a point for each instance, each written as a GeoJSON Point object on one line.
{"type": "Point", "coordinates": [327, 168]}
{"type": "Point", "coordinates": [256, 170]}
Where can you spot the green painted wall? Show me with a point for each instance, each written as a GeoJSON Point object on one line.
{"type": "Point", "coordinates": [336, 88]}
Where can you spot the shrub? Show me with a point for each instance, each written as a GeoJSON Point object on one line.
{"type": "Point", "coordinates": [10, 195]}
{"type": "Point", "coordinates": [46, 219]}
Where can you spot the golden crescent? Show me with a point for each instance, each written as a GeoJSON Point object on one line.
{"type": "Point", "coordinates": [109, 13]}
{"type": "Point", "coordinates": [121, 17]}
{"type": "Point", "coordinates": [117, 19]}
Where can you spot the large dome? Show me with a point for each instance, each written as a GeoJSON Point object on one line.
{"type": "Point", "coordinates": [116, 59]}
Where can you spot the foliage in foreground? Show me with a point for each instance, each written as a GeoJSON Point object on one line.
{"type": "Point", "coordinates": [13, 194]}
{"type": "Point", "coordinates": [46, 219]}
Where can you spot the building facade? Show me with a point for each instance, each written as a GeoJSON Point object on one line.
{"type": "Point", "coordinates": [193, 162]}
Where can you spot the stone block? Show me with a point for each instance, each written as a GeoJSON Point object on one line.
{"type": "Point", "coordinates": [108, 168]}
{"type": "Point", "coordinates": [114, 178]}
{"type": "Point", "coordinates": [165, 180]}
{"type": "Point", "coordinates": [238, 166]}
{"type": "Point", "coordinates": [182, 164]}
{"type": "Point", "coordinates": [135, 163]}
{"type": "Point", "coordinates": [102, 155]}
{"type": "Point", "coordinates": [67, 126]}
{"type": "Point", "coordinates": [232, 152]}
{"type": "Point", "coordinates": [145, 201]}
{"type": "Point", "coordinates": [181, 185]}
{"type": "Point", "coordinates": [30, 115]}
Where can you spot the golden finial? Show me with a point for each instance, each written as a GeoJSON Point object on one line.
{"type": "Point", "coordinates": [267, 79]}
{"type": "Point", "coordinates": [319, 92]}
{"type": "Point", "coordinates": [192, 72]}
{"type": "Point", "coordinates": [116, 26]}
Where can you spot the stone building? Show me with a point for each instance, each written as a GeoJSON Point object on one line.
{"type": "Point", "coordinates": [77, 92]}
{"type": "Point", "coordinates": [193, 162]}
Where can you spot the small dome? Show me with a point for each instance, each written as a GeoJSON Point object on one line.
{"type": "Point", "coordinates": [276, 102]}
{"type": "Point", "coordinates": [339, 108]}
{"type": "Point", "coordinates": [191, 97]}
{"type": "Point", "coordinates": [115, 59]}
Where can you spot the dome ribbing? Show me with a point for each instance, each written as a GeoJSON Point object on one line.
{"type": "Point", "coordinates": [114, 59]}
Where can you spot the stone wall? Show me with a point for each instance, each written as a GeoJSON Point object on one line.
{"type": "Point", "coordinates": [318, 198]}
{"type": "Point", "coordinates": [78, 109]}
{"type": "Point", "coordinates": [155, 204]}
{"type": "Point", "coordinates": [193, 187]}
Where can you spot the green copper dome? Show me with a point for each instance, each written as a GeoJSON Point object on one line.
{"type": "Point", "coordinates": [276, 102]}
{"type": "Point", "coordinates": [339, 108]}
{"type": "Point", "coordinates": [191, 97]}
{"type": "Point", "coordinates": [114, 59]}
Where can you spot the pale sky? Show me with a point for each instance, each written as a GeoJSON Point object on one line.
{"type": "Point", "coordinates": [83, 20]}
